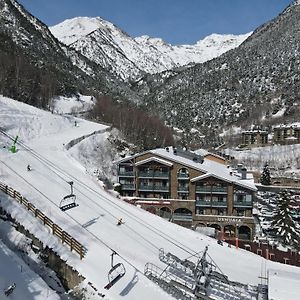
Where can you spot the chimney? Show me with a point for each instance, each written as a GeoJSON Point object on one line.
{"type": "Point", "coordinates": [239, 168]}
{"type": "Point", "coordinates": [175, 151]}
{"type": "Point", "coordinates": [244, 173]}
{"type": "Point", "coordinates": [167, 149]}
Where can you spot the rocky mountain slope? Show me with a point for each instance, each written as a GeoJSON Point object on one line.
{"type": "Point", "coordinates": [243, 86]}
{"type": "Point", "coordinates": [130, 58]}
{"type": "Point", "coordinates": [35, 66]}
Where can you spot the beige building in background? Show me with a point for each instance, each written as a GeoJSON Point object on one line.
{"type": "Point", "coordinates": [255, 138]}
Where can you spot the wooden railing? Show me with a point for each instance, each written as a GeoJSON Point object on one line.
{"type": "Point", "coordinates": [56, 230]}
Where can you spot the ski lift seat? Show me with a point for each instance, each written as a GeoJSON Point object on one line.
{"type": "Point", "coordinates": [68, 202]}
{"type": "Point", "coordinates": [115, 274]}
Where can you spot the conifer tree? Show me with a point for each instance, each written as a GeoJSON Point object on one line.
{"type": "Point", "coordinates": [286, 228]}
{"type": "Point", "coordinates": [265, 177]}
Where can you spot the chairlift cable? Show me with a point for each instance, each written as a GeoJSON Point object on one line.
{"type": "Point", "coordinates": [52, 166]}
{"type": "Point", "coordinates": [96, 237]}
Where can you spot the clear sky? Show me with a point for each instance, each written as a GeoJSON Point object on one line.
{"type": "Point", "coordinates": [175, 21]}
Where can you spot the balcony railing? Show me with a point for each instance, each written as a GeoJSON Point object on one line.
{"type": "Point", "coordinates": [243, 204]}
{"type": "Point", "coordinates": [128, 186]}
{"type": "Point", "coordinates": [183, 189]}
{"type": "Point", "coordinates": [183, 176]}
{"type": "Point", "coordinates": [154, 174]}
{"type": "Point", "coordinates": [211, 203]}
{"type": "Point", "coordinates": [182, 217]}
{"type": "Point", "coordinates": [153, 188]}
{"type": "Point", "coordinates": [126, 173]}
{"type": "Point", "coordinates": [207, 190]}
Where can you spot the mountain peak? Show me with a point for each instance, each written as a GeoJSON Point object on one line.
{"type": "Point", "coordinates": [219, 40]}
{"type": "Point", "coordinates": [146, 39]}
{"type": "Point", "coordinates": [71, 30]}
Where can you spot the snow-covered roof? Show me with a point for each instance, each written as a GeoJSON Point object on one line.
{"type": "Point", "coordinates": [232, 179]}
{"type": "Point", "coordinates": [161, 161]}
{"type": "Point", "coordinates": [286, 126]}
{"type": "Point", "coordinates": [254, 131]}
{"type": "Point", "coordinates": [216, 169]}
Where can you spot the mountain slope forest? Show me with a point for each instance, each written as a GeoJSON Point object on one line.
{"type": "Point", "coordinates": [241, 87]}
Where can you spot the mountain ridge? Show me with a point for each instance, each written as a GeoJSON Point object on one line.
{"type": "Point", "coordinates": [104, 43]}
{"type": "Point", "coordinates": [243, 86]}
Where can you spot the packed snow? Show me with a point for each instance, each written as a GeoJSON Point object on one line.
{"type": "Point", "coordinates": [43, 138]}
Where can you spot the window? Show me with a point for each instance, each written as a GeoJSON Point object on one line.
{"type": "Point", "coordinates": [199, 197]}
{"type": "Point", "coordinates": [183, 196]}
{"type": "Point", "coordinates": [199, 211]}
{"type": "Point", "coordinates": [222, 212]}
{"type": "Point", "coordinates": [240, 212]}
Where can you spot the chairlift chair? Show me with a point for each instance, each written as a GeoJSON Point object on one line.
{"type": "Point", "coordinates": [68, 201]}
{"type": "Point", "coordinates": [116, 272]}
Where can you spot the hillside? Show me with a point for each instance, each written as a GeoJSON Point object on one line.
{"type": "Point", "coordinates": [43, 137]}
{"type": "Point", "coordinates": [242, 86]}
{"type": "Point", "coordinates": [35, 66]}
{"type": "Point", "coordinates": [130, 58]}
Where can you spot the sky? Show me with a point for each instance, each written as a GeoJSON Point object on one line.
{"type": "Point", "coordinates": [175, 21]}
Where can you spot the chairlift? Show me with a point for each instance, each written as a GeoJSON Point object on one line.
{"type": "Point", "coordinates": [68, 201]}
{"type": "Point", "coordinates": [116, 272]}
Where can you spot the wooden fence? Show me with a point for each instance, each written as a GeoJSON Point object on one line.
{"type": "Point", "coordinates": [269, 252]}
{"type": "Point", "coordinates": [56, 230]}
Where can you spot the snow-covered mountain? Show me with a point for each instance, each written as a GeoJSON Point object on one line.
{"type": "Point", "coordinates": [112, 48]}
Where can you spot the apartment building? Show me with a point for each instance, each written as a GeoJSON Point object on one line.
{"type": "Point", "coordinates": [255, 138]}
{"type": "Point", "coordinates": [190, 190]}
{"type": "Point", "coordinates": [287, 134]}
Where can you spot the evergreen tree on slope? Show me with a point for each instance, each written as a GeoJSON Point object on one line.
{"type": "Point", "coordinates": [286, 228]}
{"type": "Point", "coordinates": [265, 177]}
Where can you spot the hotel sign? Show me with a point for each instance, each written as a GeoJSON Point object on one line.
{"type": "Point", "coordinates": [229, 220]}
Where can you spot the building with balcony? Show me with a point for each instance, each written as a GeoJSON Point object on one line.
{"type": "Point", "coordinates": [254, 138]}
{"type": "Point", "coordinates": [190, 190]}
{"type": "Point", "coordinates": [287, 134]}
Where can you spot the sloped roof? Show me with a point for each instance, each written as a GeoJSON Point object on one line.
{"type": "Point", "coordinates": [213, 168]}
{"type": "Point", "coordinates": [159, 160]}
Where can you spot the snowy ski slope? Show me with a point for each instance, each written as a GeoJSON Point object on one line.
{"type": "Point", "coordinates": [42, 136]}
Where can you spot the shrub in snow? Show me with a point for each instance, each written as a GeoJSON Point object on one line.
{"type": "Point", "coordinates": [265, 177]}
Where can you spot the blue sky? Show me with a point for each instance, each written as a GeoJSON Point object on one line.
{"type": "Point", "coordinates": [176, 21]}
